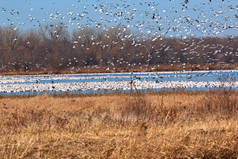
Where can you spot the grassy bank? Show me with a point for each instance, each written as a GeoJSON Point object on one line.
{"type": "Point", "coordinates": [144, 68]}
{"type": "Point", "coordinates": [158, 125]}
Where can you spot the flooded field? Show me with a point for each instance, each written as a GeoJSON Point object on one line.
{"type": "Point", "coordinates": [117, 82]}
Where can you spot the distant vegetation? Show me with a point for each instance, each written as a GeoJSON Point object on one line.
{"type": "Point", "coordinates": [52, 47]}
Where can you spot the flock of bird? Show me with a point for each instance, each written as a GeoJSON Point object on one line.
{"type": "Point", "coordinates": [123, 82]}
{"type": "Point", "coordinates": [154, 18]}
{"type": "Point", "coordinates": [149, 18]}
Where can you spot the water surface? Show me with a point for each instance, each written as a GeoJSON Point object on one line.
{"type": "Point", "coordinates": [117, 82]}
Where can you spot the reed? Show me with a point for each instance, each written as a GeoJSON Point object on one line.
{"type": "Point", "coordinates": [154, 125]}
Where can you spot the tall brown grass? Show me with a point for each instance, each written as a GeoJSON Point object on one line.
{"type": "Point", "coordinates": [153, 125]}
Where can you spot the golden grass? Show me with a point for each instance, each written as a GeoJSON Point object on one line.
{"type": "Point", "coordinates": [155, 125]}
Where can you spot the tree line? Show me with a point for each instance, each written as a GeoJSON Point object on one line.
{"type": "Point", "coordinates": [52, 47]}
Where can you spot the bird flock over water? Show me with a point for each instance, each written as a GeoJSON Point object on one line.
{"type": "Point", "coordinates": [149, 18]}
{"type": "Point", "coordinates": [119, 82]}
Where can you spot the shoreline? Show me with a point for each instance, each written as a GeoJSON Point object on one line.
{"type": "Point", "coordinates": [140, 93]}
{"type": "Point", "coordinates": [108, 70]}
{"type": "Point", "coordinates": [116, 73]}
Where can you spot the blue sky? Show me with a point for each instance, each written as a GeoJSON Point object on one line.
{"type": "Point", "coordinates": [160, 17]}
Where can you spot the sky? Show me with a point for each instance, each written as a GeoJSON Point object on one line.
{"type": "Point", "coordinates": [171, 18]}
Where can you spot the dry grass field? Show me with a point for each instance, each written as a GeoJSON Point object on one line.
{"type": "Point", "coordinates": [153, 125]}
